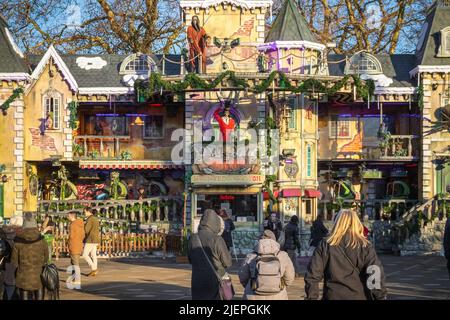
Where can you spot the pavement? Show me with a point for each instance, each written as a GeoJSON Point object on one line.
{"type": "Point", "coordinates": [408, 278]}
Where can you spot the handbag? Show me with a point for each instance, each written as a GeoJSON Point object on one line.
{"type": "Point", "coordinates": [369, 294]}
{"type": "Point", "coordinates": [226, 289]}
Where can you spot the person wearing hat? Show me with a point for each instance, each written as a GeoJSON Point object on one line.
{"type": "Point", "coordinates": [29, 256]}
{"type": "Point", "coordinates": [268, 271]}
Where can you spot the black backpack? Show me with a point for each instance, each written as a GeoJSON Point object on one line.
{"type": "Point", "coordinates": [50, 281]}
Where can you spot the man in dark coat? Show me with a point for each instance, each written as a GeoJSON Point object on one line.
{"type": "Point", "coordinates": [447, 244]}
{"type": "Point", "coordinates": [30, 254]}
{"type": "Point", "coordinates": [292, 243]}
{"type": "Point", "coordinates": [228, 228]}
{"type": "Point", "coordinates": [273, 224]}
{"type": "Point", "coordinates": [318, 231]}
{"type": "Point", "coordinates": [205, 280]}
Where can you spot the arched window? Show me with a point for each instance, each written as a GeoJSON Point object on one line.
{"type": "Point", "coordinates": [363, 63]}
{"type": "Point", "coordinates": [138, 64]}
{"type": "Point", "coordinates": [51, 109]}
{"type": "Point", "coordinates": [444, 48]}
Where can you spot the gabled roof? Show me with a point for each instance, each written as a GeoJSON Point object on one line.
{"type": "Point", "coordinates": [395, 66]}
{"type": "Point", "coordinates": [290, 25]}
{"type": "Point", "coordinates": [106, 75]}
{"type": "Point", "coordinates": [53, 54]}
{"type": "Point", "coordinates": [11, 58]}
{"type": "Point", "coordinates": [438, 18]}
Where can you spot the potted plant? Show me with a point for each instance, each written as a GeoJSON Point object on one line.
{"type": "Point", "coordinates": [126, 155]}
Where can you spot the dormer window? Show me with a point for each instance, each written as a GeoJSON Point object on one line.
{"type": "Point", "coordinates": [140, 64]}
{"type": "Point", "coordinates": [363, 63]}
{"type": "Point", "coordinates": [444, 48]}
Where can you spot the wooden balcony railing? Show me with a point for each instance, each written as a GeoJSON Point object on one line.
{"type": "Point", "coordinates": [401, 146]}
{"type": "Point", "coordinates": [100, 147]}
{"type": "Point", "coordinates": [375, 209]}
{"type": "Point", "coordinates": [145, 211]}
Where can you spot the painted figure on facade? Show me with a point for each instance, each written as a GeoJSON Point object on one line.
{"type": "Point", "coordinates": [197, 46]}
{"type": "Point", "coordinates": [226, 122]}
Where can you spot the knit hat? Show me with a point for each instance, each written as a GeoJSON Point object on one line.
{"type": "Point", "coordinates": [267, 234]}
{"type": "Point", "coordinates": [29, 221]}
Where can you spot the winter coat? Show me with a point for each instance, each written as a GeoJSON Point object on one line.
{"type": "Point", "coordinates": [205, 283]}
{"type": "Point", "coordinates": [447, 239]}
{"type": "Point", "coordinates": [341, 280]}
{"type": "Point", "coordinates": [92, 230]}
{"type": "Point", "coordinates": [291, 232]}
{"type": "Point", "coordinates": [275, 226]}
{"type": "Point", "coordinates": [267, 247]}
{"type": "Point", "coordinates": [318, 232]}
{"type": "Point", "coordinates": [76, 237]}
{"type": "Point", "coordinates": [226, 235]}
{"type": "Point", "coordinates": [30, 254]}
{"type": "Point", "coordinates": [10, 269]}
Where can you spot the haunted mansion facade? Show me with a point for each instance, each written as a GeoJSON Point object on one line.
{"type": "Point", "coordinates": [369, 131]}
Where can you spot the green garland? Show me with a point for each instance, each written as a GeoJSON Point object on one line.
{"type": "Point", "coordinates": [194, 81]}
{"type": "Point", "coordinates": [73, 108]}
{"type": "Point", "coordinates": [16, 93]}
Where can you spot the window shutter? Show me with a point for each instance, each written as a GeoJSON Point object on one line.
{"type": "Point", "coordinates": [2, 202]}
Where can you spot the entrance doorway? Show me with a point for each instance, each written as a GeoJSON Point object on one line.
{"type": "Point", "coordinates": [240, 207]}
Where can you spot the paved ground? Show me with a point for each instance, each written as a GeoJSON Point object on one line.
{"type": "Point", "coordinates": [151, 278]}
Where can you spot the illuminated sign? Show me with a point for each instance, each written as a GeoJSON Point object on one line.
{"type": "Point", "coordinates": [227, 180]}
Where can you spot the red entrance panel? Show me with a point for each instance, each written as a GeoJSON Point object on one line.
{"type": "Point", "coordinates": [312, 193]}
{"type": "Point", "coordinates": [288, 193]}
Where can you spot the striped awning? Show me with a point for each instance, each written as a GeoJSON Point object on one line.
{"type": "Point", "coordinates": [129, 165]}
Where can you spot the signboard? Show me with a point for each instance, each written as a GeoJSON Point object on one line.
{"type": "Point", "coordinates": [227, 180]}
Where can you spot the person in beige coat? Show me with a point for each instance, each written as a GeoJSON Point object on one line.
{"type": "Point", "coordinates": [267, 246]}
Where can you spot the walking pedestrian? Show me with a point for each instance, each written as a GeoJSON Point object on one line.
{"type": "Point", "coordinates": [228, 228]}
{"type": "Point", "coordinates": [5, 254]}
{"type": "Point", "coordinates": [318, 232]}
{"type": "Point", "coordinates": [76, 237]}
{"type": "Point", "coordinates": [91, 241]}
{"type": "Point", "coordinates": [348, 264]}
{"type": "Point", "coordinates": [447, 244]}
{"type": "Point", "coordinates": [11, 230]}
{"type": "Point", "coordinates": [274, 224]}
{"type": "Point", "coordinates": [292, 242]}
{"type": "Point", "coordinates": [209, 257]}
{"type": "Point", "coordinates": [30, 254]}
{"type": "Point", "coordinates": [47, 230]}
{"type": "Point", "coordinates": [267, 272]}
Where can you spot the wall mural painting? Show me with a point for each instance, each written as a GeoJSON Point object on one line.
{"type": "Point", "coordinates": [42, 141]}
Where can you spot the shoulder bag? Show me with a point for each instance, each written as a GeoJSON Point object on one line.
{"type": "Point", "coordinates": [226, 289]}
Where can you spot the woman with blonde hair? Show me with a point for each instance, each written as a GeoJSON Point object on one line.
{"type": "Point", "coordinates": [347, 263]}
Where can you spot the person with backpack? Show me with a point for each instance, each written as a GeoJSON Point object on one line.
{"type": "Point", "coordinates": [347, 262]}
{"type": "Point", "coordinates": [209, 257]}
{"type": "Point", "coordinates": [91, 241]}
{"type": "Point", "coordinates": [30, 255]}
{"type": "Point", "coordinates": [292, 242]}
{"type": "Point", "coordinates": [318, 232]}
{"type": "Point", "coordinates": [267, 272]}
{"type": "Point", "coordinates": [76, 236]}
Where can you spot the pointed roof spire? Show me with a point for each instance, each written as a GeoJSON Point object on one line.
{"type": "Point", "coordinates": [290, 25]}
{"type": "Point", "coordinates": [11, 58]}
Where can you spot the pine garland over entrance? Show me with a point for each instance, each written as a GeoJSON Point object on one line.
{"type": "Point", "coordinates": [193, 81]}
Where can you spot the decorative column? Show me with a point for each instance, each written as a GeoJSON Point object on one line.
{"type": "Point", "coordinates": [19, 143]}
{"type": "Point", "coordinates": [426, 158]}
